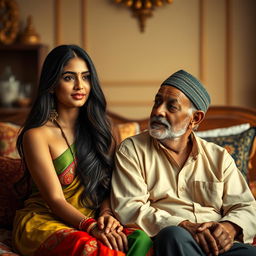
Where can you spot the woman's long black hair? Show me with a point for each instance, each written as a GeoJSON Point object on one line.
{"type": "Point", "coordinates": [93, 135]}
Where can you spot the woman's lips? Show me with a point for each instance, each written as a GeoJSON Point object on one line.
{"type": "Point", "coordinates": [78, 96]}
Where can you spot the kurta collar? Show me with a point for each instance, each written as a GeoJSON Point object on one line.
{"type": "Point", "coordinates": [195, 145]}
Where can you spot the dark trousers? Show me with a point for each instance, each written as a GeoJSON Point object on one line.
{"type": "Point", "coordinates": [176, 241]}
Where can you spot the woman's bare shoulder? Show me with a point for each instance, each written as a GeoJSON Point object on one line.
{"type": "Point", "coordinates": [41, 133]}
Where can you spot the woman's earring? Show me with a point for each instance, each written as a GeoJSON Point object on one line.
{"type": "Point", "coordinates": [53, 115]}
{"type": "Point", "coordinates": [53, 112]}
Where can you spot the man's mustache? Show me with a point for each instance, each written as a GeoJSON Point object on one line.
{"type": "Point", "coordinates": [159, 120]}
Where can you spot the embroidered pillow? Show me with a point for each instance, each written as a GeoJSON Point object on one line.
{"type": "Point", "coordinates": [123, 130]}
{"type": "Point", "coordinates": [239, 147]}
{"type": "Point", "coordinates": [8, 137]}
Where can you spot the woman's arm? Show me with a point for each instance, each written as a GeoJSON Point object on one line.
{"type": "Point", "coordinates": [39, 162]}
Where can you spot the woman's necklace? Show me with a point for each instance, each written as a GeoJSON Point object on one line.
{"type": "Point", "coordinates": [64, 136]}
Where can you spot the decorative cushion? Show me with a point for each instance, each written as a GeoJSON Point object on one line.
{"type": "Point", "coordinates": [231, 130]}
{"type": "Point", "coordinates": [8, 137]}
{"type": "Point", "coordinates": [125, 130]}
{"type": "Point", "coordinates": [239, 147]}
{"type": "Point", "coordinates": [11, 171]}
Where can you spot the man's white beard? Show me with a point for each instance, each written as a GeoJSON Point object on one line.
{"type": "Point", "coordinates": [167, 131]}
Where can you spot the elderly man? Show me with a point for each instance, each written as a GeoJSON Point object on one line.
{"type": "Point", "coordinates": [184, 192]}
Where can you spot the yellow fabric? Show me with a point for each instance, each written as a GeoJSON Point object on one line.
{"type": "Point", "coordinates": [35, 223]}
{"type": "Point", "coordinates": [150, 191]}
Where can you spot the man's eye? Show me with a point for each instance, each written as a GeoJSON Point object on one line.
{"type": "Point", "coordinates": [172, 107]}
{"type": "Point", "coordinates": [157, 102]}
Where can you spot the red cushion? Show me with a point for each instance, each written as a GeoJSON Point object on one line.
{"type": "Point", "coordinates": [11, 171]}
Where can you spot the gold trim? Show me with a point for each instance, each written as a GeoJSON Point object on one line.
{"type": "Point", "coordinates": [202, 41]}
{"type": "Point", "coordinates": [83, 23]}
{"type": "Point", "coordinates": [229, 48]}
{"type": "Point", "coordinates": [57, 22]}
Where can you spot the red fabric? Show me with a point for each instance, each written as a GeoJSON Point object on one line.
{"type": "Point", "coordinates": [129, 231]}
{"type": "Point", "coordinates": [11, 171]}
{"type": "Point", "coordinates": [74, 243]}
{"type": "Point", "coordinates": [254, 241]}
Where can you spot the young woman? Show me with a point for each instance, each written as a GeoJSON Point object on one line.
{"type": "Point", "coordinates": [66, 147]}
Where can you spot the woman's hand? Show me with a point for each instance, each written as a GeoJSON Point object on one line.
{"type": "Point", "coordinates": [113, 239]}
{"type": "Point", "coordinates": [108, 223]}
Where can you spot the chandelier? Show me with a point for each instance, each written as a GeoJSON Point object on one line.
{"type": "Point", "coordinates": [143, 9]}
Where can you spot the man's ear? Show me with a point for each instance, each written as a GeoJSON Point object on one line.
{"type": "Point", "coordinates": [198, 117]}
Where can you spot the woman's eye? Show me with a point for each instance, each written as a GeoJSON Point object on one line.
{"type": "Point", "coordinates": [67, 78]}
{"type": "Point", "coordinates": [86, 77]}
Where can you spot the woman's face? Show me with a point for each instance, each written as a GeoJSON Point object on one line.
{"type": "Point", "coordinates": [73, 87]}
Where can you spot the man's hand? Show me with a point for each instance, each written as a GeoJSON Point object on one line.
{"type": "Point", "coordinates": [202, 236]}
{"type": "Point", "coordinates": [223, 233]}
{"type": "Point", "coordinates": [191, 228]}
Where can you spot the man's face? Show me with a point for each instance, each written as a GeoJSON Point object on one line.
{"type": "Point", "coordinates": [170, 115]}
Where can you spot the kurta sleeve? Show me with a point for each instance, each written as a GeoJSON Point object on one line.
{"type": "Point", "coordinates": [130, 197]}
{"type": "Point", "coordinates": [239, 205]}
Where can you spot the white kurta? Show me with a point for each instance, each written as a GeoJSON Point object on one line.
{"type": "Point", "coordinates": [150, 191]}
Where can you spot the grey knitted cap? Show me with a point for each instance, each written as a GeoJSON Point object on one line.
{"type": "Point", "coordinates": [191, 87]}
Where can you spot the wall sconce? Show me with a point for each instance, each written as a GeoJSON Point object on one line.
{"type": "Point", "coordinates": [143, 9]}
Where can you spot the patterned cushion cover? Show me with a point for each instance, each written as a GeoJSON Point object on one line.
{"type": "Point", "coordinates": [239, 147]}
{"type": "Point", "coordinates": [8, 136]}
{"type": "Point", "coordinates": [11, 171]}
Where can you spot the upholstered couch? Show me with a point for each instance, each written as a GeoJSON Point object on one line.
{"type": "Point", "coordinates": [236, 129]}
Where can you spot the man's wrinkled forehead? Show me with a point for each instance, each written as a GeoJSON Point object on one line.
{"type": "Point", "coordinates": [171, 92]}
